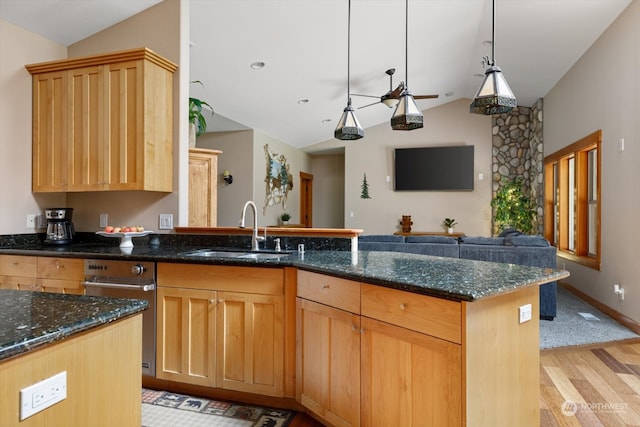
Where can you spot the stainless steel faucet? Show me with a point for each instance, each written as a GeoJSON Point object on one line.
{"type": "Point", "coordinates": [254, 237]}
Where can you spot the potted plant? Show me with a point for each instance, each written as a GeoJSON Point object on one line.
{"type": "Point", "coordinates": [512, 209]}
{"type": "Point", "coordinates": [197, 120]}
{"type": "Point", "coordinates": [285, 217]}
{"type": "Point", "coordinates": [449, 223]}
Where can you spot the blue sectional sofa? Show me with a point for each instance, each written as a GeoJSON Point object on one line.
{"type": "Point", "coordinates": [512, 248]}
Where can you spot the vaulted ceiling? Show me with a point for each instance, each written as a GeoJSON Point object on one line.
{"type": "Point", "coordinates": [303, 44]}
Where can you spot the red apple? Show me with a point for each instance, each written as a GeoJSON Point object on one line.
{"type": "Point", "coordinates": [108, 229]}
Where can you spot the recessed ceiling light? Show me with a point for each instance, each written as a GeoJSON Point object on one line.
{"type": "Point", "coordinates": [486, 42]}
{"type": "Point", "coordinates": [258, 65]}
{"type": "Point", "coordinates": [303, 101]}
{"type": "Point", "coordinates": [478, 75]}
{"type": "Point", "coordinates": [450, 93]}
{"type": "Point", "coordinates": [326, 120]}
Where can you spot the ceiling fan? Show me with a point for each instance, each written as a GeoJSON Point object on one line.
{"type": "Point", "coordinates": [391, 98]}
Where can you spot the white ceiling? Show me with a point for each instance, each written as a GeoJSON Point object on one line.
{"type": "Point", "coordinates": [304, 46]}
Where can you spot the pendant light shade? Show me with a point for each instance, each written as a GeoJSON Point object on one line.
{"type": "Point", "coordinates": [407, 115]}
{"type": "Point", "coordinates": [348, 127]}
{"type": "Point", "coordinates": [494, 95]}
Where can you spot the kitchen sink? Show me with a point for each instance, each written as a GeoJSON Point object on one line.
{"type": "Point", "coordinates": [210, 253]}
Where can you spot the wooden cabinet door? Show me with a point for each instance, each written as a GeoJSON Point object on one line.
{"type": "Point", "coordinates": [49, 157]}
{"type": "Point", "coordinates": [61, 275]}
{"type": "Point", "coordinates": [86, 156]}
{"type": "Point", "coordinates": [328, 365]}
{"type": "Point", "coordinates": [250, 347]}
{"type": "Point", "coordinates": [203, 199]}
{"type": "Point", "coordinates": [186, 336]}
{"type": "Point", "coordinates": [123, 137]}
{"type": "Point", "coordinates": [409, 378]}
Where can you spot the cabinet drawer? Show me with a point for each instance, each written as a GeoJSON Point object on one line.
{"type": "Point", "coordinates": [333, 291]}
{"type": "Point", "coordinates": [256, 280]}
{"type": "Point", "coordinates": [60, 268]}
{"type": "Point", "coordinates": [429, 315]}
{"type": "Point", "coordinates": [16, 265]}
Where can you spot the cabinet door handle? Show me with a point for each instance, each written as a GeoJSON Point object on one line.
{"type": "Point", "coordinates": [403, 306]}
{"type": "Point", "coordinates": [325, 287]}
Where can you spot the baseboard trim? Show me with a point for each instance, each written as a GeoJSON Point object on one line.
{"type": "Point", "coordinates": [615, 315]}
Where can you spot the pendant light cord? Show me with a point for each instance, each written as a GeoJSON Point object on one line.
{"type": "Point", "coordinates": [406, 45]}
{"type": "Point", "coordinates": [493, 34]}
{"type": "Point", "coordinates": [349, 54]}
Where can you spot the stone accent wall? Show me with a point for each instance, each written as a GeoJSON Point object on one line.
{"type": "Point", "coordinates": [518, 151]}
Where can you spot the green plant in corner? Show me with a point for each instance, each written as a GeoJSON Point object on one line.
{"type": "Point", "coordinates": [196, 117]}
{"type": "Point", "coordinates": [285, 217]}
{"type": "Point", "coordinates": [512, 208]}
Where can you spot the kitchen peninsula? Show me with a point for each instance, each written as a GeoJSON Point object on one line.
{"type": "Point", "coordinates": [398, 337]}
{"type": "Point", "coordinates": [92, 340]}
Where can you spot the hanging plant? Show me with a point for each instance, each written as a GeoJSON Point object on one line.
{"type": "Point", "coordinates": [365, 188]}
{"type": "Point", "coordinates": [512, 208]}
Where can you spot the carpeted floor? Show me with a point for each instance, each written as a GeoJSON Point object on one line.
{"type": "Point", "coordinates": [164, 409]}
{"type": "Point", "coordinates": [579, 323]}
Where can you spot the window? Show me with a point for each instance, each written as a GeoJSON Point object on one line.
{"type": "Point", "coordinates": [572, 200]}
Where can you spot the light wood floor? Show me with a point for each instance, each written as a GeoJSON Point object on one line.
{"type": "Point", "coordinates": [602, 382]}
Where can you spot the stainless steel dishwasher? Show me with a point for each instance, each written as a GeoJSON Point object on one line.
{"type": "Point", "coordinates": [128, 279]}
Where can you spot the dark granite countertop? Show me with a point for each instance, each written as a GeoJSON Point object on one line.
{"type": "Point", "coordinates": [29, 320]}
{"type": "Point", "coordinates": [451, 278]}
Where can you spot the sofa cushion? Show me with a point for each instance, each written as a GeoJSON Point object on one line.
{"type": "Point", "coordinates": [525, 240]}
{"type": "Point", "coordinates": [480, 240]}
{"type": "Point", "coordinates": [431, 239]}
{"type": "Point", "coordinates": [381, 238]}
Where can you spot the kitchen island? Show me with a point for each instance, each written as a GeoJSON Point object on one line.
{"type": "Point", "coordinates": [95, 341]}
{"type": "Point", "coordinates": [391, 337]}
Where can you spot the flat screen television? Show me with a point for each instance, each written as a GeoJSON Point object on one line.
{"type": "Point", "coordinates": [448, 168]}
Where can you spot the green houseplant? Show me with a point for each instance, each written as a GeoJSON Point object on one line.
{"type": "Point", "coordinates": [285, 217]}
{"type": "Point", "coordinates": [512, 208]}
{"type": "Point", "coordinates": [449, 223]}
{"type": "Point", "coordinates": [196, 116]}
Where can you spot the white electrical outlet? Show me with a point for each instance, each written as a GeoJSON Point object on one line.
{"type": "Point", "coordinates": [524, 313]}
{"type": "Point", "coordinates": [31, 221]}
{"type": "Point", "coordinates": [104, 220]}
{"type": "Point", "coordinates": [39, 396]}
{"type": "Point", "coordinates": [166, 222]}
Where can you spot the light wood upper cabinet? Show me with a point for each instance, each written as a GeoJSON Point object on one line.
{"type": "Point", "coordinates": [203, 190]}
{"type": "Point", "coordinates": [103, 123]}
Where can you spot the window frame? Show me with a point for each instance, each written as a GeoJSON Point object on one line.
{"type": "Point", "coordinates": [557, 200]}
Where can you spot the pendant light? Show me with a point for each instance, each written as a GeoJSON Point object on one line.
{"type": "Point", "coordinates": [348, 126]}
{"type": "Point", "coordinates": [407, 115]}
{"type": "Point", "coordinates": [494, 95]}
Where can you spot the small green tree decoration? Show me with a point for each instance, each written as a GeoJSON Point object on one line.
{"type": "Point", "coordinates": [512, 208]}
{"type": "Point", "coordinates": [365, 188]}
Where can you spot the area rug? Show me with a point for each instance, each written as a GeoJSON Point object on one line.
{"type": "Point", "coordinates": [579, 323]}
{"type": "Point", "coordinates": [165, 409]}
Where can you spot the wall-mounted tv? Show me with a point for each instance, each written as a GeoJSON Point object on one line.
{"type": "Point", "coordinates": [448, 168]}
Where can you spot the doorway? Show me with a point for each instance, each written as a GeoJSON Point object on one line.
{"type": "Point", "coordinates": [306, 199]}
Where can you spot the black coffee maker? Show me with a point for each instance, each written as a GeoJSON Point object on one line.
{"type": "Point", "coordinates": [59, 226]}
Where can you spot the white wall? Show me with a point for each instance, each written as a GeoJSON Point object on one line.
{"type": "Point", "coordinates": [602, 91]}
{"type": "Point", "coordinates": [17, 48]}
{"type": "Point", "coordinates": [449, 124]}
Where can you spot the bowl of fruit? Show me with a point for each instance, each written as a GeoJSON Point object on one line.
{"type": "Point", "coordinates": [125, 234]}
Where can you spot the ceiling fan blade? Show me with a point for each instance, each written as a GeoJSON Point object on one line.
{"type": "Point", "coordinates": [424, 96]}
{"type": "Point", "coordinates": [367, 96]}
{"type": "Point", "coordinates": [369, 105]}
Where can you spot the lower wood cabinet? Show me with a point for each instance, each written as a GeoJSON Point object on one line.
{"type": "Point", "coordinates": [47, 274]}
{"type": "Point", "coordinates": [328, 377]}
{"type": "Point", "coordinates": [18, 272]}
{"type": "Point", "coordinates": [221, 326]}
